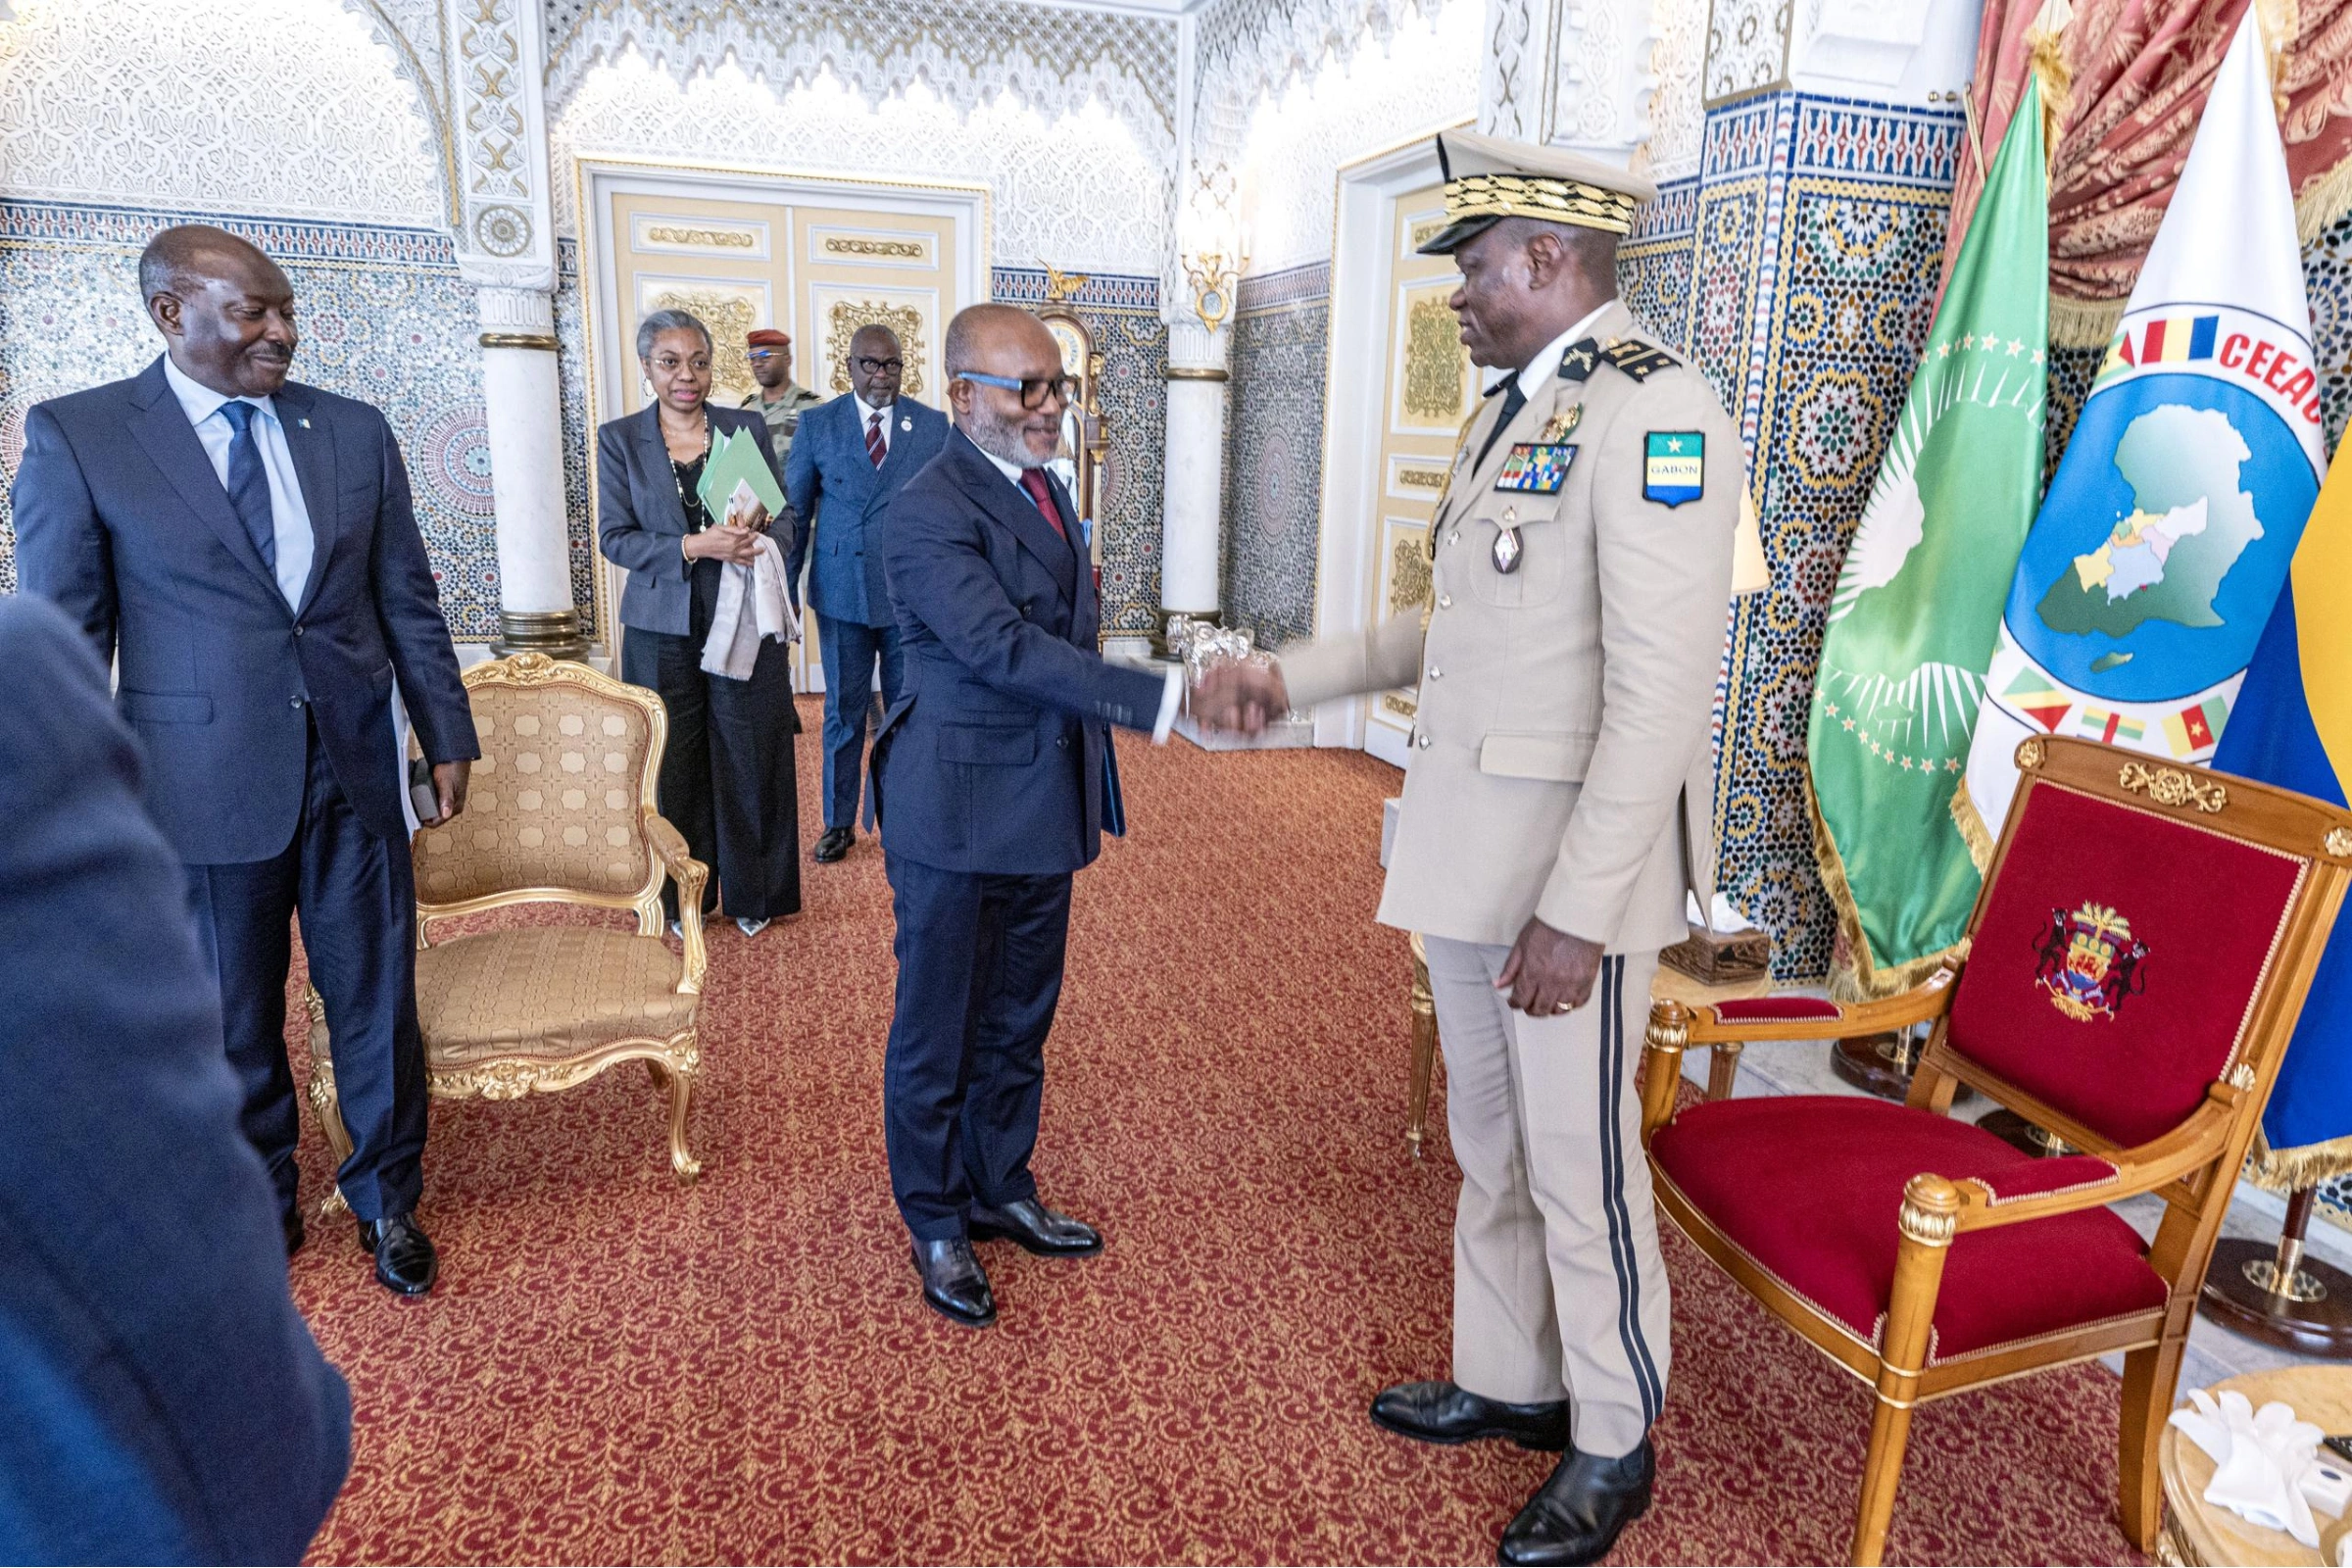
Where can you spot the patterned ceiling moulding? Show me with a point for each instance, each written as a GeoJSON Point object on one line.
{"type": "Point", "coordinates": [344, 136]}
{"type": "Point", "coordinates": [1250, 50]}
{"type": "Point", "coordinates": [1747, 49]}
{"type": "Point", "coordinates": [965, 51]}
{"type": "Point", "coordinates": [1570, 73]}
{"type": "Point", "coordinates": [2136, 74]}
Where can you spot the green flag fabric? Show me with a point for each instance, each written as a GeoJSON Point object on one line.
{"type": "Point", "coordinates": [1918, 603]}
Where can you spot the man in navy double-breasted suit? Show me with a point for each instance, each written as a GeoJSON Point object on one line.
{"type": "Point", "coordinates": [244, 546]}
{"type": "Point", "coordinates": [850, 459]}
{"type": "Point", "coordinates": [989, 780]}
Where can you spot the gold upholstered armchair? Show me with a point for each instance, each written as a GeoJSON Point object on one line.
{"type": "Point", "coordinates": [2131, 977]}
{"type": "Point", "coordinates": [560, 811]}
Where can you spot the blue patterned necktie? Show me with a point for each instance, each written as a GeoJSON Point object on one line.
{"type": "Point", "coordinates": [249, 483]}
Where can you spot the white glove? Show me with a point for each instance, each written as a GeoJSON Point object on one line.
{"type": "Point", "coordinates": [2259, 1458]}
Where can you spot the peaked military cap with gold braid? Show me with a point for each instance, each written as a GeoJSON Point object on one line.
{"type": "Point", "coordinates": [1488, 179]}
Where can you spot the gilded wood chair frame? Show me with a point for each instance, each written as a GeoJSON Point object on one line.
{"type": "Point", "coordinates": [673, 1060]}
{"type": "Point", "coordinates": [2192, 1167]}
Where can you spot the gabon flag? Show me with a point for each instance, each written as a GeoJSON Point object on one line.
{"type": "Point", "coordinates": [2293, 726]}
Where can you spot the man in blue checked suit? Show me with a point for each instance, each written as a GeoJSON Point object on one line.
{"type": "Point", "coordinates": [992, 778]}
{"type": "Point", "coordinates": [850, 459]}
{"type": "Point", "coordinates": [244, 546]}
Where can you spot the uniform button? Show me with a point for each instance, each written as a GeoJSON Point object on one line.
{"type": "Point", "coordinates": [1424, 743]}
{"type": "Point", "coordinates": [1445, 600]}
{"type": "Point", "coordinates": [1454, 538]}
{"type": "Point", "coordinates": [1434, 672]}
{"type": "Point", "coordinates": [298, 631]}
{"type": "Point", "coordinates": [1063, 741]}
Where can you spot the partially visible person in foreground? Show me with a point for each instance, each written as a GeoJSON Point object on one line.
{"type": "Point", "coordinates": [161, 1399]}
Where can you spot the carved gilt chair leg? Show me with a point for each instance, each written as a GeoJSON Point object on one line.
{"type": "Point", "coordinates": [1928, 1220]}
{"type": "Point", "coordinates": [1662, 1044]}
{"type": "Point", "coordinates": [1722, 1071]}
{"type": "Point", "coordinates": [329, 1112]}
{"type": "Point", "coordinates": [1425, 1048]}
{"type": "Point", "coordinates": [680, 1085]}
{"type": "Point", "coordinates": [2151, 1377]}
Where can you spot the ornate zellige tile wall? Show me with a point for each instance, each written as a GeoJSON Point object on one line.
{"type": "Point", "coordinates": [1274, 452]}
{"type": "Point", "coordinates": [1796, 270]}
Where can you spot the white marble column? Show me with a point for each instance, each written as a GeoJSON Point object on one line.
{"type": "Point", "coordinates": [1190, 553]}
{"type": "Point", "coordinates": [520, 399]}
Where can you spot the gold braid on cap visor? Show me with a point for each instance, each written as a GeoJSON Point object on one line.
{"type": "Point", "coordinates": [1552, 200]}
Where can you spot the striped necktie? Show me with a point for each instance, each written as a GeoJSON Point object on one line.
{"type": "Point", "coordinates": [874, 447]}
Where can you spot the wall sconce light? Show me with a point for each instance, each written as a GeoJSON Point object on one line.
{"type": "Point", "coordinates": [1213, 276]}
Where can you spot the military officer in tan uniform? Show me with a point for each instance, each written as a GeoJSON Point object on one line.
{"type": "Point", "coordinates": [1556, 810]}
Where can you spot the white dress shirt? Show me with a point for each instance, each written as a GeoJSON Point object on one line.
{"type": "Point", "coordinates": [866, 421]}
{"type": "Point", "coordinates": [290, 519]}
{"type": "Point", "coordinates": [1173, 693]}
{"type": "Point", "coordinates": [1546, 362]}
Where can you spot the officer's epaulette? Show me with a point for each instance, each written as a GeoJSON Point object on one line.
{"type": "Point", "coordinates": [1637, 359]}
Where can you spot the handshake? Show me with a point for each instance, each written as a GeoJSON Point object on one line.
{"type": "Point", "coordinates": [1242, 695]}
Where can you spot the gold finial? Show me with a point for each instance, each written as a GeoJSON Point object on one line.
{"type": "Point", "coordinates": [1061, 288]}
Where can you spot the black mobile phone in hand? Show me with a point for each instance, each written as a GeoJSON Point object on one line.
{"type": "Point", "coordinates": [422, 793]}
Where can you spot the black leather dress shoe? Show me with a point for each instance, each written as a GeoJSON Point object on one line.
{"type": "Point", "coordinates": [404, 1259]}
{"type": "Point", "coordinates": [1577, 1516]}
{"type": "Point", "coordinates": [833, 845]}
{"type": "Point", "coordinates": [1037, 1228]}
{"type": "Point", "coordinates": [291, 1221]}
{"type": "Point", "coordinates": [954, 1285]}
{"type": "Point", "coordinates": [1449, 1413]}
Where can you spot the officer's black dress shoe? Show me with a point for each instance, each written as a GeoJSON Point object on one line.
{"type": "Point", "coordinates": [291, 1220]}
{"type": "Point", "coordinates": [954, 1285]}
{"type": "Point", "coordinates": [404, 1259]}
{"type": "Point", "coordinates": [1037, 1228]}
{"type": "Point", "coordinates": [833, 845]}
{"type": "Point", "coordinates": [1577, 1516]}
{"type": "Point", "coordinates": [1449, 1413]}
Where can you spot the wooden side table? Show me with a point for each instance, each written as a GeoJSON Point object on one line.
{"type": "Point", "coordinates": [1671, 985]}
{"type": "Point", "coordinates": [2195, 1530]}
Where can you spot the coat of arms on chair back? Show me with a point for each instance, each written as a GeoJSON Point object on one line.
{"type": "Point", "coordinates": [2130, 934]}
{"type": "Point", "coordinates": [559, 796]}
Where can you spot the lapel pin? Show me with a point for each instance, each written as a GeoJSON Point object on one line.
{"type": "Point", "coordinates": [306, 424]}
{"type": "Point", "coordinates": [906, 424]}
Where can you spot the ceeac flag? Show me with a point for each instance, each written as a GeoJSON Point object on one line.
{"type": "Point", "coordinates": [2160, 549]}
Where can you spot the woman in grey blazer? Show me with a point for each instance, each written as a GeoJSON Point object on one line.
{"type": "Point", "coordinates": [727, 778]}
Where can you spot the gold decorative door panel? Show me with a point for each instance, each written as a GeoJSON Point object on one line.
{"type": "Point", "coordinates": [1431, 389]}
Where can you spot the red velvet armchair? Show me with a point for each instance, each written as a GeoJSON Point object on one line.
{"type": "Point", "coordinates": [2133, 974]}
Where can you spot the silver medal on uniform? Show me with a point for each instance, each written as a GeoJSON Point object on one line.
{"type": "Point", "coordinates": [1506, 551]}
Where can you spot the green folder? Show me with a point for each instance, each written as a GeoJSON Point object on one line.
{"type": "Point", "coordinates": [735, 461]}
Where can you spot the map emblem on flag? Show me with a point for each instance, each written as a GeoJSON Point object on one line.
{"type": "Point", "coordinates": [2088, 962]}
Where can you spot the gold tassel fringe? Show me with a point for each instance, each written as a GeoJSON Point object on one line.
{"type": "Point", "coordinates": [1865, 982]}
{"type": "Point", "coordinates": [2287, 1170]}
{"type": "Point", "coordinates": [1971, 823]}
{"type": "Point", "coordinates": [2324, 201]}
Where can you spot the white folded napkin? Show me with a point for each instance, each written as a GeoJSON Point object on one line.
{"type": "Point", "coordinates": [752, 605]}
{"type": "Point", "coordinates": [2259, 1457]}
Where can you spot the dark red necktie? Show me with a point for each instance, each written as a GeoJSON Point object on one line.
{"type": "Point", "coordinates": [1033, 480]}
{"type": "Point", "coordinates": [874, 448]}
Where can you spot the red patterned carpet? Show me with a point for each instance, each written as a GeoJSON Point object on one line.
{"type": "Point", "coordinates": [617, 1369]}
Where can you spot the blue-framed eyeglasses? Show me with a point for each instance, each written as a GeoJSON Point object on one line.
{"type": "Point", "coordinates": [1033, 393]}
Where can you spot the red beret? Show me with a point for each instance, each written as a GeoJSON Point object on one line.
{"type": "Point", "coordinates": [768, 337]}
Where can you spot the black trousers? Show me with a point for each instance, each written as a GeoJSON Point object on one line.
{"type": "Point", "coordinates": [728, 780]}
{"type": "Point", "coordinates": [357, 896]}
{"type": "Point", "coordinates": [964, 1076]}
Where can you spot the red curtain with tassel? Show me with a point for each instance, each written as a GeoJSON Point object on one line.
{"type": "Point", "coordinates": [2140, 73]}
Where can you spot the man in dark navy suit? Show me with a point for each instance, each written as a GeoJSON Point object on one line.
{"type": "Point", "coordinates": [848, 463]}
{"type": "Point", "coordinates": [164, 1402]}
{"type": "Point", "coordinates": [244, 546]}
{"type": "Point", "coordinates": [990, 780]}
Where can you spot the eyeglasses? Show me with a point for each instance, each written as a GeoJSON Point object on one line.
{"type": "Point", "coordinates": [880, 367]}
{"type": "Point", "coordinates": [1062, 388]}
